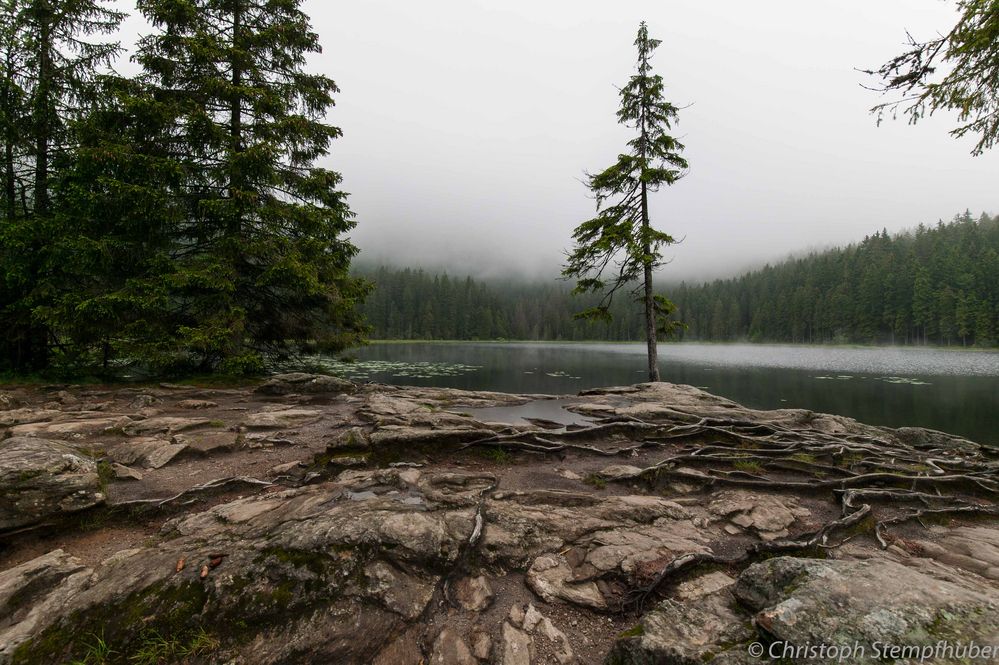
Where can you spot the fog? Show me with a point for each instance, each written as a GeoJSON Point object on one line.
{"type": "Point", "coordinates": [468, 126]}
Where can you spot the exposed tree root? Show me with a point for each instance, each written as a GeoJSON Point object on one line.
{"type": "Point", "coordinates": [920, 514]}
{"type": "Point", "coordinates": [857, 469]}
{"type": "Point", "coordinates": [636, 598]}
{"type": "Point", "coordinates": [192, 494]}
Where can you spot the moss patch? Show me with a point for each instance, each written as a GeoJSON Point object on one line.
{"type": "Point", "coordinates": [636, 631]}
{"type": "Point", "coordinates": [129, 625]}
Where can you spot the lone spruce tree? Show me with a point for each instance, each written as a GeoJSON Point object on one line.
{"type": "Point", "coordinates": [262, 264]}
{"type": "Point", "coordinates": [620, 240]}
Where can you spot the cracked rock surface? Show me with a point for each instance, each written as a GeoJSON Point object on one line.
{"type": "Point", "coordinates": [309, 520]}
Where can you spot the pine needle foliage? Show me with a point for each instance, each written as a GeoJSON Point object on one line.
{"type": "Point", "coordinates": [956, 71]}
{"type": "Point", "coordinates": [54, 53]}
{"type": "Point", "coordinates": [619, 246]}
{"type": "Point", "coordinates": [265, 264]}
{"type": "Point", "coordinates": [196, 229]}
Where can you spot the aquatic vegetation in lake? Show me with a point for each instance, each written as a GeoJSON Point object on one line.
{"type": "Point", "coordinates": [897, 380]}
{"type": "Point", "coordinates": [904, 380]}
{"type": "Point", "coordinates": [362, 370]}
{"type": "Point", "coordinates": [561, 375]}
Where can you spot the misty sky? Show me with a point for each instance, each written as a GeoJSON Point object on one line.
{"type": "Point", "coordinates": [468, 125]}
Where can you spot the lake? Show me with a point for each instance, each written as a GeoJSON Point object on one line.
{"type": "Point", "coordinates": [955, 391]}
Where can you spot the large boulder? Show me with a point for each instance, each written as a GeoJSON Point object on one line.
{"type": "Point", "coordinates": [40, 479]}
{"type": "Point", "coordinates": [868, 603]}
{"type": "Point", "coordinates": [708, 629]}
{"type": "Point", "coordinates": [792, 604]}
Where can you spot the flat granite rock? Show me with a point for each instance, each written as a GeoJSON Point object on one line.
{"type": "Point", "coordinates": [73, 425]}
{"type": "Point", "coordinates": [208, 442]}
{"type": "Point", "coordinates": [307, 571]}
{"type": "Point", "coordinates": [302, 383]}
{"type": "Point", "coordinates": [289, 417]}
{"type": "Point", "coordinates": [20, 416]}
{"type": "Point", "coordinates": [382, 525]}
{"type": "Point", "coordinates": [33, 592]}
{"type": "Point", "coordinates": [164, 424]}
{"type": "Point", "coordinates": [971, 548]}
{"type": "Point", "coordinates": [147, 452]}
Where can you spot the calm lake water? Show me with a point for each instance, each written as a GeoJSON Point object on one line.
{"type": "Point", "coordinates": [953, 391]}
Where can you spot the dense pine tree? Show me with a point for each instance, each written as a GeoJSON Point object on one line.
{"type": "Point", "coordinates": [13, 105]}
{"type": "Point", "coordinates": [261, 261]}
{"type": "Point", "coordinates": [121, 232]}
{"type": "Point", "coordinates": [176, 219]}
{"type": "Point", "coordinates": [53, 58]}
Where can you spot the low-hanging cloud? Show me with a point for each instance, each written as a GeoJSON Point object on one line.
{"type": "Point", "coordinates": [468, 125]}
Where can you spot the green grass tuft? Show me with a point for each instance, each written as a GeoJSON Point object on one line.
{"type": "Point", "coordinates": [748, 466]}
{"type": "Point", "coordinates": [96, 652]}
{"type": "Point", "coordinates": [156, 649]}
{"type": "Point", "coordinates": [496, 454]}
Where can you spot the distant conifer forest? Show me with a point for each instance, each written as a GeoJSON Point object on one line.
{"type": "Point", "coordinates": [935, 285]}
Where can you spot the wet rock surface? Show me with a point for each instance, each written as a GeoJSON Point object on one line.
{"type": "Point", "coordinates": [42, 479]}
{"type": "Point", "coordinates": [309, 519]}
{"type": "Point", "coordinates": [807, 601]}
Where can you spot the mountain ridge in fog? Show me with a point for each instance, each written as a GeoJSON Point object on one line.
{"type": "Point", "coordinates": [493, 268]}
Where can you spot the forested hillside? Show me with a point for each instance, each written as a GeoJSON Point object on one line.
{"type": "Point", "coordinates": [934, 285]}
{"type": "Point", "coordinates": [414, 304]}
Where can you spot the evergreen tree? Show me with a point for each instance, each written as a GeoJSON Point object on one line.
{"type": "Point", "coordinates": [120, 235]}
{"type": "Point", "coordinates": [622, 231]}
{"type": "Point", "coordinates": [13, 106]}
{"type": "Point", "coordinates": [957, 70]}
{"type": "Point", "coordinates": [263, 265]}
{"type": "Point", "coordinates": [51, 74]}
{"type": "Point", "coordinates": [940, 284]}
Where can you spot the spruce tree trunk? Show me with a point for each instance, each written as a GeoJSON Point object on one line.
{"type": "Point", "coordinates": [42, 119]}
{"type": "Point", "coordinates": [10, 192]}
{"type": "Point", "coordinates": [236, 121]}
{"type": "Point", "coordinates": [650, 312]}
{"type": "Point", "coordinates": [234, 224]}
{"type": "Point", "coordinates": [9, 184]}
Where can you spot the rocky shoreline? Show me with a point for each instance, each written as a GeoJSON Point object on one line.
{"type": "Point", "coordinates": [309, 519]}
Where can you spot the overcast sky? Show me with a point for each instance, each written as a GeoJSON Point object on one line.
{"type": "Point", "coordinates": [468, 125]}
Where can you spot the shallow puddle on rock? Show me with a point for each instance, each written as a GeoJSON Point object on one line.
{"type": "Point", "coordinates": [409, 498]}
{"type": "Point", "coordinates": [519, 414]}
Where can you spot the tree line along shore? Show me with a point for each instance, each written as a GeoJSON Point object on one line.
{"type": "Point", "coordinates": [935, 285]}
